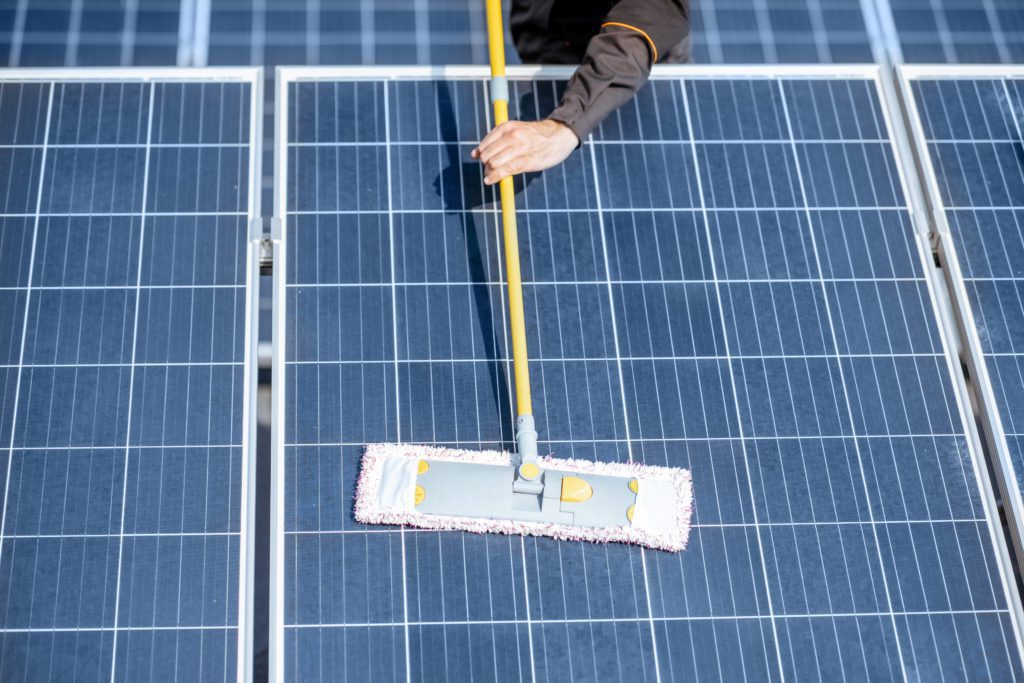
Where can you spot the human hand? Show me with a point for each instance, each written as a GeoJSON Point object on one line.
{"type": "Point", "coordinates": [524, 147]}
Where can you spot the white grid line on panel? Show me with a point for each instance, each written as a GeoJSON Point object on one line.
{"type": "Point", "coordinates": [131, 385]}
{"type": "Point", "coordinates": [398, 393]}
{"type": "Point", "coordinates": [642, 619]}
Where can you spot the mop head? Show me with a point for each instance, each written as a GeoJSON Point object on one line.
{"type": "Point", "coordinates": [388, 492]}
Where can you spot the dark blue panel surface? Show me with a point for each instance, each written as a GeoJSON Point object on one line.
{"type": "Point", "coordinates": [709, 284]}
{"type": "Point", "coordinates": [973, 131]}
{"type": "Point", "coordinates": [960, 31]}
{"type": "Point", "coordinates": [791, 31]}
{"type": "Point", "coordinates": [122, 349]}
{"type": "Point", "coordinates": [93, 33]}
{"type": "Point", "coordinates": [348, 32]}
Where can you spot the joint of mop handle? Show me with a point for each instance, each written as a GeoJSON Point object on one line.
{"type": "Point", "coordinates": [499, 89]}
{"type": "Point", "coordinates": [526, 439]}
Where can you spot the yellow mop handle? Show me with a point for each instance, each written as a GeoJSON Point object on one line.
{"type": "Point", "coordinates": [499, 97]}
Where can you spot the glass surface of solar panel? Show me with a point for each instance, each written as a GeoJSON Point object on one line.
{"type": "Point", "coordinates": [348, 32]}
{"type": "Point", "coordinates": [972, 127]}
{"type": "Point", "coordinates": [782, 31]}
{"type": "Point", "coordinates": [727, 279]}
{"type": "Point", "coordinates": [960, 31]}
{"type": "Point", "coordinates": [89, 32]}
{"type": "Point", "coordinates": [123, 242]}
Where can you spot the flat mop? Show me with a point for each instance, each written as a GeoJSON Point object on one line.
{"type": "Point", "coordinates": [522, 493]}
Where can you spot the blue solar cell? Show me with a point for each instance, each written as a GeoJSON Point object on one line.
{"type": "Point", "coordinates": [85, 114]}
{"type": "Point", "coordinates": [110, 243]}
{"type": "Point", "coordinates": [748, 301]}
{"type": "Point", "coordinates": [196, 653]}
{"type": "Point", "coordinates": [23, 119]}
{"type": "Point", "coordinates": [197, 250]}
{"type": "Point", "coordinates": [81, 326]}
{"type": "Point", "coordinates": [19, 174]}
{"type": "Point", "coordinates": [351, 652]}
{"type": "Point", "coordinates": [122, 358]}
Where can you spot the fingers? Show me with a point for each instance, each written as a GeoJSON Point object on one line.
{"type": "Point", "coordinates": [512, 164]}
{"type": "Point", "coordinates": [499, 149]}
{"type": "Point", "coordinates": [504, 158]}
{"type": "Point", "coordinates": [518, 147]}
{"type": "Point", "coordinates": [508, 150]}
{"type": "Point", "coordinates": [498, 135]}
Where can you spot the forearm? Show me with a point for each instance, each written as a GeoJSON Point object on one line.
{"type": "Point", "coordinates": [636, 34]}
{"type": "Point", "coordinates": [616, 66]}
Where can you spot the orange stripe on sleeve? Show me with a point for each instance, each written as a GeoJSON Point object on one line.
{"type": "Point", "coordinates": [654, 49]}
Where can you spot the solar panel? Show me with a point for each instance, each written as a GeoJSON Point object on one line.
{"type": "Point", "coordinates": [959, 31]}
{"type": "Point", "coordinates": [726, 278]}
{"type": "Point", "coordinates": [94, 33]}
{"type": "Point", "coordinates": [786, 31]}
{"type": "Point", "coordinates": [125, 372]}
{"type": "Point", "coordinates": [969, 133]}
{"type": "Point", "coordinates": [347, 32]}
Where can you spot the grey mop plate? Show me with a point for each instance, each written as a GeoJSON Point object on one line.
{"type": "Point", "coordinates": [459, 489]}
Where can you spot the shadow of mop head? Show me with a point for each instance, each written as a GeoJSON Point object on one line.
{"type": "Point", "coordinates": [578, 500]}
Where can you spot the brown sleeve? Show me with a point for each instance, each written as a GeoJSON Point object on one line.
{"type": "Point", "coordinates": [635, 35]}
{"type": "Point", "coordinates": [662, 23]}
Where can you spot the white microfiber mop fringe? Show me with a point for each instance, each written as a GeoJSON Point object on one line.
{"type": "Point", "coordinates": [374, 506]}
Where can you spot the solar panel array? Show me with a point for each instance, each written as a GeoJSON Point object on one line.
{"type": "Point", "coordinates": [726, 278]}
{"type": "Point", "coordinates": [274, 32]}
{"type": "Point", "coordinates": [453, 32]}
{"type": "Point", "coordinates": [972, 126]}
{"type": "Point", "coordinates": [123, 358]}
